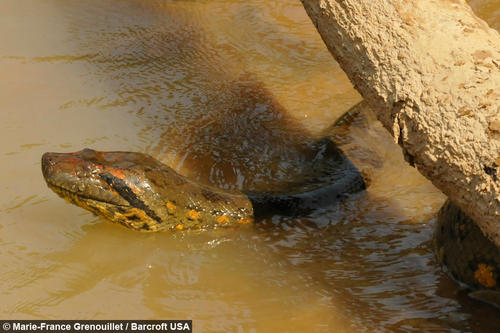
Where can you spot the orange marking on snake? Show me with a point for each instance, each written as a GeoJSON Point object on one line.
{"type": "Point", "coordinates": [118, 174]}
{"type": "Point", "coordinates": [193, 215]}
{"type": "Point", "coordinates": [223, 219]}
{"type": "Point", "coordinates": [484, 275]}
{"type": "Point", "coordinates": [244, 220]}
{"type": "Point", "coordinates": [171, 207]}
{"type": "Point", "coordinates": [121, 175]}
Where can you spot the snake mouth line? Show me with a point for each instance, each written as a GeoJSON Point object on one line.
{"type": "Point", "coordinates": [127, 215]}
{"type": "Point", "coordinates": [76, 197]}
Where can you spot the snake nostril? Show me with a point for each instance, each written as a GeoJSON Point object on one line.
{"type": "Point", "coordinates": [47, 162]}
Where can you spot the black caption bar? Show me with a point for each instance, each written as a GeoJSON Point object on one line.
{"type": "Point", "coordinates": [104, 326]}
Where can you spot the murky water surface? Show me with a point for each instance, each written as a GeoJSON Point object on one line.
{"type": "Point", "coordinates": [232, 93]}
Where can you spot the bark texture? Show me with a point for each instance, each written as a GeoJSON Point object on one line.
{"type": "Point", "coordinates": [431, 71]}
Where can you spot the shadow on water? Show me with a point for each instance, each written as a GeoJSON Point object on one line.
{"type": "Point", "coordinates": [243, 138]}
{"type": "Point", "coordinates": [203, 116]}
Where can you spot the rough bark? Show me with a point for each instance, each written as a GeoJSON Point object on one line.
{"type": "Point", "coordinates": [431, 71]}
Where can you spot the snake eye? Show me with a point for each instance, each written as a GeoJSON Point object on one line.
{"type": "Point", "coordinates": [108, 178]}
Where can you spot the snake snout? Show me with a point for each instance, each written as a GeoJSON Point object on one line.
{"type": "Point", "coordinates": [47, 164]}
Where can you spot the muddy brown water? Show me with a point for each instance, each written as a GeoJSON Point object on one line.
{"type": "Point", "coordinates": [231, 93]}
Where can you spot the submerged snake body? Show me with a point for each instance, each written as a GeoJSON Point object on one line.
{"type": "Point", "coordinates": [141, 193]}
{"type": "Point", "coordinates": [470, 256]}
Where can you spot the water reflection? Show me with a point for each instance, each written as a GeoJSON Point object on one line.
{"type": "Point", "coordinates": [243, 138]}
{"type": "Point", "coordinates": [214, 121]}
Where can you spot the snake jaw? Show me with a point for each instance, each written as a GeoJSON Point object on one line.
{"type": "Point", "coordinates": [127, 215]}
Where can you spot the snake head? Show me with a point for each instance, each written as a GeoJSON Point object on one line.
{"type": "Point", "coordinates": [111, 184]}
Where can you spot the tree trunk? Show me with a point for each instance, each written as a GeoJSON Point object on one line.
{"type": "Point", "coordinates": [431, 71]}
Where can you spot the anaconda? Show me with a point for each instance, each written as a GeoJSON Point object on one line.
{"type": "Point", "coordinates": [141, 193]}
{"type": "Point", "coordinates": [468, 254]}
